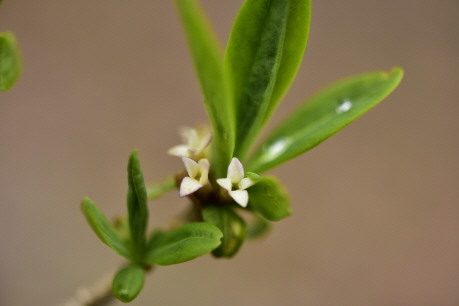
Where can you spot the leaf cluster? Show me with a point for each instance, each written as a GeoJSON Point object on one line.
{"type": "Point", "coordinates": [242, 87]}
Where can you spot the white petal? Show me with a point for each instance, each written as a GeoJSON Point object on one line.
{"type": "Point", "coordinates": [188, 186]}
{"type": "Point", "coordinates": [246, 183]}
{"type": "Point", "coordinates": [204, 141]}
{"type": "Point", "coordinates": [193, 140]}
{"type": "Point", "coordinates": [204, 166]}
{"type": "Point", "coordinates": [191, 167]}
{"type": "Point", "coordinates": [235, 171]}
{"type": "Point", "coordinates": [225, 183]}
{"type": "Point", "coordinates": [240, 196]}
{"type": "Point", "coordinates": [185, 133]}
{"type": "Point", "coordinates": [180, 151]}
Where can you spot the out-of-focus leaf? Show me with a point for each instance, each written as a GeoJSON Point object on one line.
{"type": "Point", "coordinates": [258, 227]}
{"type": "Point", "coordinates": [268, 198]}
{"type": "Point", "coordinates": [10, 61]}
{"type": "Point", "coordinates": [157, 190]}
{"type": "Point", "coordinates": [128, 283]}
{"type": "Point", "coordinates": [207, 57]}
{"type": "Point", "coordinates": [232, 226]}
{"type": "Point", "coordinates": [104, 229]}
{"type": "Point", "coordinates": [322, 116]}
{"type": "Point", "coordinates": [182, 244]}
{"type": "Point", "coordinates": [252, 62]}
{"type": "Point", "coordinates": [137, 205]}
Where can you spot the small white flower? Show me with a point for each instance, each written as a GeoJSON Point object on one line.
{"type": "Point", "coordinates": [198, 173]}
{"type": "Point", "coordinates": [194, 142]}
{"type": "Point", "coordinates": [235, 179]}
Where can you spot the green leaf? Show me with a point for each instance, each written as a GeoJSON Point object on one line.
{"type": "Point", "coordinates": [10, 61]}
{"type": "Point", "coordinates": [252, 62]}
{"type": "Point", "coordinates": [157, 190]}
{"type": "Point", "coordinates": [296, 37]}
{"type": "Point", "coordinates": [182, 244]}
{"type": "Point", "coordinates": [104, 229]}
{"type": "Point", "coordinates": [128, 283]}
{"type": "Point", "coordinates": [232, 226]}
{"type": "Point", "coordinates": [268, 198]}
{"type": "Point", "coordinates": [137, 205]}
{"type": "Point", "coordinates": [323, 115]}
{"type": "Point", "coordinates": [208, 62]}
{"type": "Point", "coordinates": [258, 227]}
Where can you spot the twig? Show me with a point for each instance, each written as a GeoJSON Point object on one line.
{"type": "Point", "coordinates": [98, 294]}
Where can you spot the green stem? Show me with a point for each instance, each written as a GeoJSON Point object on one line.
{"type": "Point", "coordinates": [156, 190]}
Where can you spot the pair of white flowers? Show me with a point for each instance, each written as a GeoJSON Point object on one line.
{"type": "Point", "coordinates": [195, 142]}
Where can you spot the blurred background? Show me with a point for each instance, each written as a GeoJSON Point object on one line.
{"type": "Point", "coordinates": [376, 216]}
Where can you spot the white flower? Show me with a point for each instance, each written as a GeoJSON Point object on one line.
{"type": "Point", "coordinates": [197, 176]}
{"type": "Point", "coordinates": [235, 179]}
{"type": "Point", "coordinates": [194, 142]}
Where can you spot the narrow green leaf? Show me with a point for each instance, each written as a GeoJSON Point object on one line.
{"type": "Point", "coordinates": [10, 61]}
{"type": "Point", "coordinates": [182, 244]}
{"type": "Point", "coordinates": [323, 115]}
{"type": "Point", "coordinates": [232, 226]}
{"type": "Point", "coordinates": [296, 37]}
{"type": "Point", "coordinates": [128, 283]}
{"type": "Point", "coordinates": [252, 62]}
{"type": "Point", "coordinates": [137, 205]}
{"type": "Point", "coordinates": [258, 227]}
{"type": "Point", "coordinates": [103, 228]}
{"type": "Point", "coordinates": [268, 198]}
{"type": "Point", "coordinates": [208, 62]}
{"type": "Point", "coordinates": [155, 191]}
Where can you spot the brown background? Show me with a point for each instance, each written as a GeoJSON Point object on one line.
{"type": "Point", "coordinates": [376, 217]}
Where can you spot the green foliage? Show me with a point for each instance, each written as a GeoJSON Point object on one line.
{"type": "Point", "coordinates": [258, 227]}
{"type": "Point", "coordinates": [128, 282]}
{"type": "Point", "coordinates": [137, 205]}
{"type": "Point", "coordinates": [183, 244]}
{"type": "Point", "coordinates": [232, 226]}
{"type": "Point", "coordinates": [322, 116]}
{"type": "Point", "coordinates": [269, 198]}
{"type": "Point", "coordinates": [252, 61]}
{"type": "Point", "coordinates": [207, 57]}
{"type": "Point", "coordinates": [157, 190]}
{"type": "Point", "coordinates": [241, 91]}
{"type": "Point", "coordinates": [296, 37]}
{"type": "Point", "coordinates": [10, 61]}
{"type": "Point", "coordinates": [104, 229]}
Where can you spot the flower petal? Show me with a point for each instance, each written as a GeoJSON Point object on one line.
{"type": "Point", "coordinates": [246, 183]}
{"type": "Point", "coordinates": [188, 186]}
{"type": "Point", "coordinates": [204, 166]}
{"type": "Point", "coordinates": [180, 151]}
{"type": "Point", "coordinates": [235, 171]}
{"type": "Point", "coordinates": [240, 196]}
{"type": "Point", "coordinates": [204, 141]}
{"type": "Point", "coordinates": [191, 167]}
{"type": "Point", "coordinates": [225, 183]}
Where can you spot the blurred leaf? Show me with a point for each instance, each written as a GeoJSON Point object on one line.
{"type": "Point", "coordinates": [232, 226]}
{"type": "Point", "coordinates": [252, 61]}
{"type": "Point", "coordinates": [322, 116]}
{"type": "Point", "coordinates": [121, 224]}
{"type": "Point", "coordinates": [103, 228]}
{"type": "Point", "coordinates": [208, 62]}
{"type": "Point", "coordinates": [268, 198]}
{"type": "Point", "coordinates": [182, 244]}
{"type": "Point", "coordinates": [10, 61]}
{"type": "Point", "coordinates": [296, 37]}
{"type": "Point", "coordinates": [258, 227]}
{"type": "Point", "coordinates": [137, 205]}
{"type": "Point", "coordinates": [157, 190]}
{"type": "Point", "coordinates": [128, 283]}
